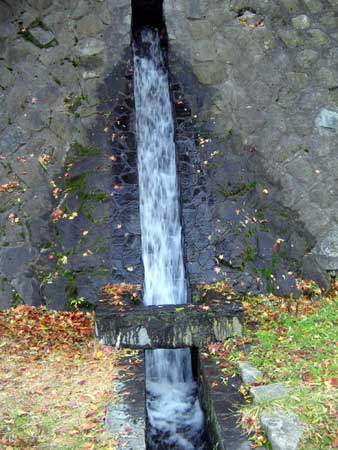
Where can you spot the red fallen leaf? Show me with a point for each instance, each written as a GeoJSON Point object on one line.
{"type": "Point", "coordinates": [249, 421]}
{"type": "Point", "coordinates": [275, 246]}
{"type": "Point", "coordinates": [334, 443]}
{"type": "Point", "coordinates": [213, 348]}
{"type": "Point", "coordinates": [88, 446]}
{"type": "Point", "coordinates": [224, 364]}
{"type": "Point", "coordinates": [334, 382]}
{"type": "Point", "coordinates": [108, 349]}
{"type": "Point", "coordinates": [308, 379]}
{"type": "Point", "coordinates": [50, 257]}
{"type": "Point", "coordinates": [82, 382]}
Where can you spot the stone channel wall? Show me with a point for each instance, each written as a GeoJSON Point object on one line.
{"type": "Point", "coordinates": [255, 94]}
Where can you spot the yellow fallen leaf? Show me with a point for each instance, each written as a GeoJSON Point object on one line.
{"type": "Point", "coordinates": [73, 215]}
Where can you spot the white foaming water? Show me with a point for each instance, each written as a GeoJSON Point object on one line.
{"type": "Point", "coordinates": [174, 412]}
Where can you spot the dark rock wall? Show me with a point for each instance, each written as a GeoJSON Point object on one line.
{"type": "Point", "coordinates": [63, 71]}
{"type": "Point", "coordinates": [265, 98]}
{"type": "Point", "coordinates": [255, 93]}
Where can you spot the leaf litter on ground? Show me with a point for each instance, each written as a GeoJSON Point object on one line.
{"type": "Point", "coordinates": [55, 381]}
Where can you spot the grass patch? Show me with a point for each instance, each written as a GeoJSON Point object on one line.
{"type": "Point", "coordinates": [294, 342]}
{"type": "Point", "coordinates": [56, 381]}
{"type": "Point", "coordinates": [81, 151]}
{"type": "Point", "coordinates": [239, 191]}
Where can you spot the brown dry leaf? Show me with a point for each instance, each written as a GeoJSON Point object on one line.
{"type": "Point", "coordinates": [9, 187]}
{"type": "Point", "coordinates": [57, 214]}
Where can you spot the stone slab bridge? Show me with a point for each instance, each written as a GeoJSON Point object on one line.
{"type": "Point", "coordinates": [123, 321]}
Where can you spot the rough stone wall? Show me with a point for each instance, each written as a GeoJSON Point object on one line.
{"type": "Point", "coordinates": [259, 79]}
{"type": "Point", "coordinates": [58, 84]}
{"type": "Point", "coordinates": [266, 74]}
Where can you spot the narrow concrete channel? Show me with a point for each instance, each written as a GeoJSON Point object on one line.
{"type": "Point", "coordinates": [173, 411]}
{"type": "Point", "coordinates": [175, 418]}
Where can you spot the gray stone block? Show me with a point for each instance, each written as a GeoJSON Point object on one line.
{"type": "Point", "coordinates": [28, 288]}
{"type": "Point", "coordinates": [197, 9]}
{"type": "Point", "coordinates": [43, 37]}
{"type": "Point", "coordinates": [55, 294]}
{"type": "Point", "coordinates": [326, 250]}
{"type": "Point", "coordinates": [284, 430]}
{"type": "Point", "coordinates": [301, 22]}
{"type": "Point", "coordinates": [14, 259]}
{"type": "Point", "coordinates": [249, 373]}
{"type": "Point", "coordinates": [11, 140]}
{"type": "Point", "coordinates": [327, 119]}
{"type": "Point", "coordinates": [268, 392]}
{"type": "Point", "coordinates": [90, 47]}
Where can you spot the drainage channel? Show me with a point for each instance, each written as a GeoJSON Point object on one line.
{"type": "Point", "coordinates": [173, 382]}
{"type": "Point", "coordinates": [174, 415]}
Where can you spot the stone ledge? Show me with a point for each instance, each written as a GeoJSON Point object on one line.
{"type": "Point", "coordinates": [169, 326]}
{"type": "Point", "coordinates": [221, 402]}
{"type": "Point", "coordinates": [126, 416]}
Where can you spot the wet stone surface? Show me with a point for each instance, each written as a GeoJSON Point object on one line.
{"type": "Point", "coordinates": [196, 219]}
{"type": "Point", "coordinates": [126, 232]}
{"type": "Point", "coordinates": [227, 227]}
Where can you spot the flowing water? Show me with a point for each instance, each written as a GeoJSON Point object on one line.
{"type": "Point", "coordinates": [174, 414]}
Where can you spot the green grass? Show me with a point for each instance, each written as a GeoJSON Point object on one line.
{"type": "Point", "coordinates": [294, 342]}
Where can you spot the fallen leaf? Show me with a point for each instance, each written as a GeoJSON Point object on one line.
{"type": "Point", "coordinates": [57, 214]}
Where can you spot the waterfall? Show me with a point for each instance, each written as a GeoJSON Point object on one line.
{"type": "Point", "coordinates": [174, 414]}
